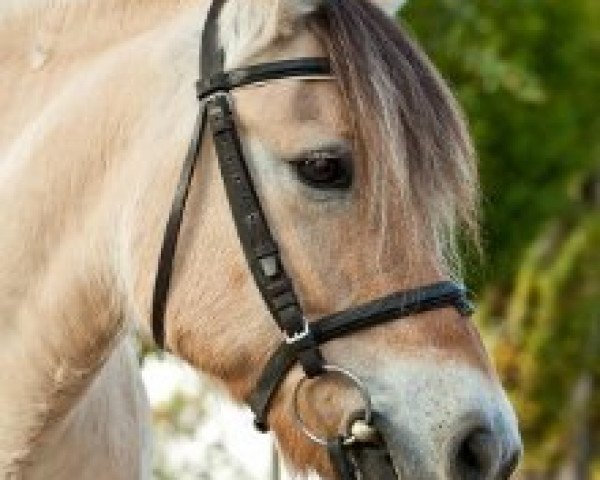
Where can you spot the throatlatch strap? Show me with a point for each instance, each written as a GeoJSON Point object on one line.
{"type": "Point", "coordinates": [164, 272]}
{"type": "Point", "coordinates": [211, 62]}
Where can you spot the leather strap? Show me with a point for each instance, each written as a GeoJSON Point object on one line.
{"type": "Point", "coordinates": [212, 56]}
{"type": "Point", "coordinates": [259, 246]}
{"type": "Point", "coordinates": [340, 460]}
{"type": "Point", "coordinates": [393, 307]}
{"type": "Point", "coordinates": [400, 304]}
{"type": "Point", "coordinates": [164, 271]}
{"type": "Point", "coordinates": [363, 460]}
{"type": "Point", "coordinates": [227, 81]}
{"type": "Point", "coordinates": [211, 62]}
{"type": "Point", "coordinates": [372, 460]}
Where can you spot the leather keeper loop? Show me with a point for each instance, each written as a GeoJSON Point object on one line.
{"type": "Point", "coordinates": [261, 425]}
{"type": "Point", "coordinates": [290, 319]}
{"type": "Point", "coordinates": [312, 362]}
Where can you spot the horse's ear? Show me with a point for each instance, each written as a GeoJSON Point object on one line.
{"type": "Point", "coordinates": [388, 6]}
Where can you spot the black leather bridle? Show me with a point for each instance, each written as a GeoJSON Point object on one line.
{"type": "Point", "coordinates": [352, 456]}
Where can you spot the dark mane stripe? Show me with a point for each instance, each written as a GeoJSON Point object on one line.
{"type": "Point", "coordinates": [419, 164]}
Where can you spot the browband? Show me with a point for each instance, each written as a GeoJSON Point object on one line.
{"type": "Point", "coordinates": [239, 77]}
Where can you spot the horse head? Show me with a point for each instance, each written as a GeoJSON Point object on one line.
{"type": "Point", "coordinates": [364, 176]}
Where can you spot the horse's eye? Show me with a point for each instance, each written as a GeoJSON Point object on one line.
{"type": "Point", "coordinates": [324, 171]}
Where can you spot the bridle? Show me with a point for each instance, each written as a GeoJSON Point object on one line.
{"type": "Point", "coordinates": [362, 450]}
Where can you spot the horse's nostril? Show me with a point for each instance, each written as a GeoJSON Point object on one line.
{"type": "Point", "coordinates": [477, 456]}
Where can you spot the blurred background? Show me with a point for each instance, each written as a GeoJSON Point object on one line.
{"type": "Point", "coordinates": [527, 73]}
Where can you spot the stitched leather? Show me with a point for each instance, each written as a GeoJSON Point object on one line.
{"type": "Point", "coordinates": [227, 81]}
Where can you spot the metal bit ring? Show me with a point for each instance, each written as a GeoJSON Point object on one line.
{"type": "Point", "coordinates": [360, 386]}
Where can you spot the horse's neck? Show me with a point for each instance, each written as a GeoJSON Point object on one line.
{"type": "Point", "coordinates": [105, 435]}
{"type": "Point", "coordinates": [78, 135]}
{"type": "Point", "coordinates": [75, 137]}
{"type": "Point", "coordinates": [43, 43]}
{"type": "Point", "coordinates": [78, 9]}
{"type": "Point", "coordinates": [62, 370]}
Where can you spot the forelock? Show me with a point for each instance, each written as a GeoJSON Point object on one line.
{"type": "Point", "coordinates": [248, 26]}
{"type": "Point", "coordinates": [419, 172]}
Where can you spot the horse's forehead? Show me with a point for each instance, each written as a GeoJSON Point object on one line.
{"type": "Point", "coordinates": [291, 115]}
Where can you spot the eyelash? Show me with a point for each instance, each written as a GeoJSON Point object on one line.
{"type": "Point", "coordinates": [324, 171]}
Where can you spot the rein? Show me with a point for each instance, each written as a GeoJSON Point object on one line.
{"type": "Point", "coordinates": [361, 452]}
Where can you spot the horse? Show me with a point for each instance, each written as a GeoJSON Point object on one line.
{"type": "Point", "coordinates": [367, 178]}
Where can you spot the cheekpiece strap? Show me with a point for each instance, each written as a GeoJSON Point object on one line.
{"type": "Point", "coordinates": [260, 247]}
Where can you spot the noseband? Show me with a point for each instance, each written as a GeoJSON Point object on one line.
{"type": "Point", "coordinates": [353, 455]}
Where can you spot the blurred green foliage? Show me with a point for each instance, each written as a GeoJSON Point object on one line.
{"type": "Point", "coordinates": [527, 73]}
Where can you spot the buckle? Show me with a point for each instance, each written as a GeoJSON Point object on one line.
{"type": "Point", "coordinates": [299, 336]}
